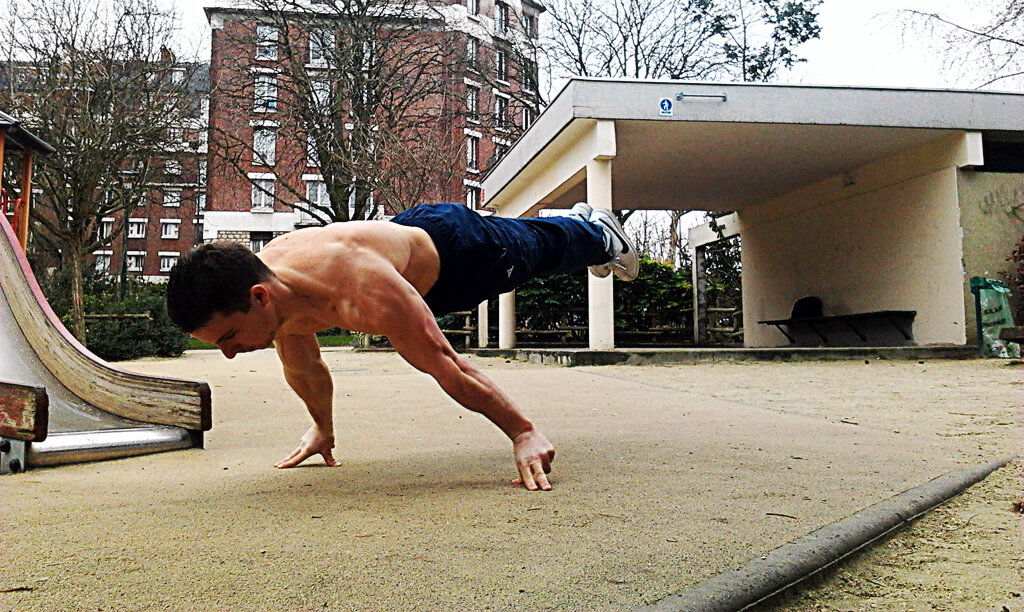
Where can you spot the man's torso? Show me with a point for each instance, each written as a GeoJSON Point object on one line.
{"type": "Point", "coordinates": [339, 270]}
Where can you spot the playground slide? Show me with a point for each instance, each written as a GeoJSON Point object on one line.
{"type": "Point", "coordinates": [59, 403]}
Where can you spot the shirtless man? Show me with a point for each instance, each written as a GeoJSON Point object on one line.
{"type": "Point", "coordinates": [391, 279]}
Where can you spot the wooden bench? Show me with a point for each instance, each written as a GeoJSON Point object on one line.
{"type": "Point", "coordinates": [1012, 334]}
{"type": "Point", "coordinates": [897, 318]}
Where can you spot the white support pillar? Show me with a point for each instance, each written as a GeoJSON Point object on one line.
{"type": "Point", "coordinates": [481, 325]}
{"type": "Point", "coordinates": [600, 303]}
{"type": "Point", "coordinates": [507, 320]}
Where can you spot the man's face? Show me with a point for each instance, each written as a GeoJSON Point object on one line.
{"type": "Point", "coordinates": [241, 332]}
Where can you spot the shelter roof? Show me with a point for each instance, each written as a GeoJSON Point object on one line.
{"type": "Point", "coordinates": [722, 146]}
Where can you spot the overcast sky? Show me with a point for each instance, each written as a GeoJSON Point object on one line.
{"type": "Point", "coordinates": [859, 44]}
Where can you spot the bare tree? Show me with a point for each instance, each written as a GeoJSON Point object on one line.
{"type": "Point", "coordinates": [689, 39]}
{"type": "Point", "coordinates": [95, 81]}
{"type": "Point", "coordinates": [364, 86]}
{"type": "Point", "coordinates": [987, 51]}
{"type": "Point", "coordinates": [762, 35]}
{"type": "Point", "coordinates": [746, 40]}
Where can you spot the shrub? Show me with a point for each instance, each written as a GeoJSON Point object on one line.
{"type": "Point", "coordinates": [119, 338]}
{"type": "Point", "coordinates": [660, 295]}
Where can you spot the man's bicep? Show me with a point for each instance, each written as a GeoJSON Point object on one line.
{"type": "Point", "coordinates": [298, 353]}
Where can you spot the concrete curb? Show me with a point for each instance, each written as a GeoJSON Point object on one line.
{"type": "Point", "coordinates": [649, 356]}
{"type": "Point", "coordinates": [792, 563]}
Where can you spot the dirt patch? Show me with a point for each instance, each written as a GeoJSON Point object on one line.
{"type": "Point", "coordinates": [963, 555]}
{"type": "Point", "coordinates": [665, 476]}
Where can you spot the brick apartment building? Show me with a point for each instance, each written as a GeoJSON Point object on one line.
{"type": "Point", "coordinates": [170, 220]}
{"type": "Point", "coordinates": [198, 198]}
{"type": "Point", "coordinates": [494, 89]}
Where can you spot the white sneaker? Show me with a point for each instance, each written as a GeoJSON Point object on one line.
{"type": "Point", "coordinates": [625, 262]}
{"type": "Point", "coordinates": [582, 211]}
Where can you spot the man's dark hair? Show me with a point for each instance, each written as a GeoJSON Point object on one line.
{"type": "Point", "coordinates": [212, 278]}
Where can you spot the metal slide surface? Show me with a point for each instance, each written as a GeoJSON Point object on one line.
{"type": "Point", "coordinates": [77, 429]}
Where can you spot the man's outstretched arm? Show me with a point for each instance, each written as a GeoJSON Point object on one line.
{"type": "Point", "coordinates": [410, 326]}
{"type": "Point", "coordinates": [308, 376]}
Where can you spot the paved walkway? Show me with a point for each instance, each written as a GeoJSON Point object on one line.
{"type": "Point", "coordinates": [665, 476]}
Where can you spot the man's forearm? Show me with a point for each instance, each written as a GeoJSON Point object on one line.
{"type": "Point", "coordinates": [316, 389]}
{"type": "Point", "coordinates": [478, 393]}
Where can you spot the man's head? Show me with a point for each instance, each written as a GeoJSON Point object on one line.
{"type": "Point", "coordinates": [211, 291]}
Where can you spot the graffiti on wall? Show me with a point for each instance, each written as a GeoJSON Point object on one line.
{"type": "Point", "coordinates": [1004, 199]}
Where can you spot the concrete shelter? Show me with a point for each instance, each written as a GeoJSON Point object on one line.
{"type": "Point", "coordinates": [873, 199]}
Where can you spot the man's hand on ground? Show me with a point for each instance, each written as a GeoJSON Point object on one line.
{"type": "Point", "coordinates": [534, 454]}
{"type": "Point", "coordinates": [313, 441]}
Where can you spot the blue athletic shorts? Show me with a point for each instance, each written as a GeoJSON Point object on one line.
{"type": "Point", "coordinates": [482, 257]}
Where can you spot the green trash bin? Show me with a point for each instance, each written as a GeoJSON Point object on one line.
{"type": "Point", "coordinates": [992, 313]}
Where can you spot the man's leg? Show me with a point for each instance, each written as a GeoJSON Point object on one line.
{"type": "Point", "coordinates": [553, 245]}
{"type": "Point", "coordinates": [625, 261]}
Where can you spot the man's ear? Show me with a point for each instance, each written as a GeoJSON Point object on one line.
{"type": "Point", "coordinates": [259, 295]}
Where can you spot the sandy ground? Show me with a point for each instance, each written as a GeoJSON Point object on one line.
{"type": "Point", "coordinates": [954, 558]}
{"type": "Point", "coordinates": [665, 476]}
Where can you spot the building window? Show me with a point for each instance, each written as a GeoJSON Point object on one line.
{"type": "Point", "coordinates": [167, 261]}
{"type": "Point", "coordinates": [531, 26]}
{"type": "Point", "coordinates": [172, 166]}
{"type": "Point", "coordinates": [472, 53]}
{"type": "Point", "coordinates": [472, 197]}
{"type": "Point", "coordinates": [472, 152]}
{"type": "Point", "coordinates": [266, 93]}
{"type": "Point", "coordinates": [264, 146]}
{"type": "Point", "coordinates": [136, 259]}
{"type": "Point", "coordinates": [136, 228]}
{"type": "Point", "coordinates": [316, 193]}
{"type": "Point", "coordinates": [266, 42]}
{"type": "Point", "coordinates": [473, 103]}
{"type": "Point", "coordinates": [258, 240]}
{"type": "Point", "coordinates": [501, 18]}
{"type": "Point", "coordinates": [172, 198]}
{"type": "Point", "coordinates": [527, 118]}
{"type": "Point", "coordinates": [473, 7]}
{"type": "Point", "coordinates": [169, 229]}
{"type": "Point", "coordinates": [501, 113]}
{"type": "Point", "coordinates": [501, 65]}
{"type": "Point", "coordinates": [175, 134]}
{"type": "Point", "coordinates": [263, 194]}
{"type": "Point", "coordinates": [530, 78]}
{"type": "Point", "coordinates": [320, 95]}
{"type": "Point", "coordinates": [321, 42]}
{"type": "Point", "coordinates": [500, 150]}
{"type": "Point", "coordinates": [201, 201]}
{"type": "Point", "coordinates": [101, 260]}
{"type": "Point", "coordinates": [312, 157]}
{"type": "Point", "coordinates": [106, 229]}
{"type": "Point", "coordinates": [201, 173]}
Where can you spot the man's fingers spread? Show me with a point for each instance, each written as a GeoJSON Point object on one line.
{"type": "Point", "coordinates": [297, 457]}
{"type": "Point", "coordinates": [329, 459]}
{"type": "Point", "coordinates": [527, 477]}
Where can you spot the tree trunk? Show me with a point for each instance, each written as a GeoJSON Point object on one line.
{"type": "Point", "coordinates": [674, 243]}
{"type": "Point", "coordinates": [72, 263]}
